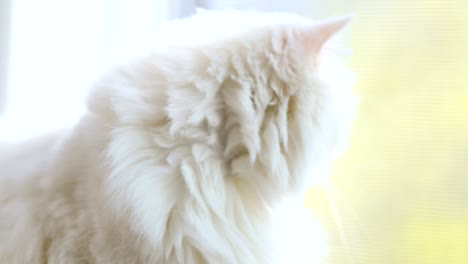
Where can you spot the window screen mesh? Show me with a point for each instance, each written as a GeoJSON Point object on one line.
{"type": "Point", "coordinates": [400, 192]}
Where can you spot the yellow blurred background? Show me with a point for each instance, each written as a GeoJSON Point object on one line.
{"type": "Point", "coordinates": [400, 192]}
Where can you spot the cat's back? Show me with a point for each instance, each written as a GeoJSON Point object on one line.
{"type": "Point", "coordinates": [19, 161]}
{"type": "Point", "coordinates": [22, 165]}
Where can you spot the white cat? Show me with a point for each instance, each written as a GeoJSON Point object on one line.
{"type": "Point", "coordinates": [185, 155]}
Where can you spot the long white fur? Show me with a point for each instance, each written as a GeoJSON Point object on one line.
{"type": "Point", "coordinates": [186, 155]}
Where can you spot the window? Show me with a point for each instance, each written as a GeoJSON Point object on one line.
{"type": "Point", "coordinates": [58, 48]}
{"type": "Point", "coordinates": [400, 192]}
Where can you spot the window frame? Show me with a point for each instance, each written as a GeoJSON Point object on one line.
{"type": "Point", "coordinates": [5, 32]}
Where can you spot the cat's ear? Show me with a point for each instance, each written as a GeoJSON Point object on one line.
{"type": "Point", "coordinates": [317, 35]}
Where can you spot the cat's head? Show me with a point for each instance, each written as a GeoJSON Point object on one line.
{"type": "Point", "coordinates": [257, 88]}
{"type": "Point", "coordinates": [286, 116]}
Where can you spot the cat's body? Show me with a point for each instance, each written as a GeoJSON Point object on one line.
{"type": "Point", "coordinates": [184, 154]}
